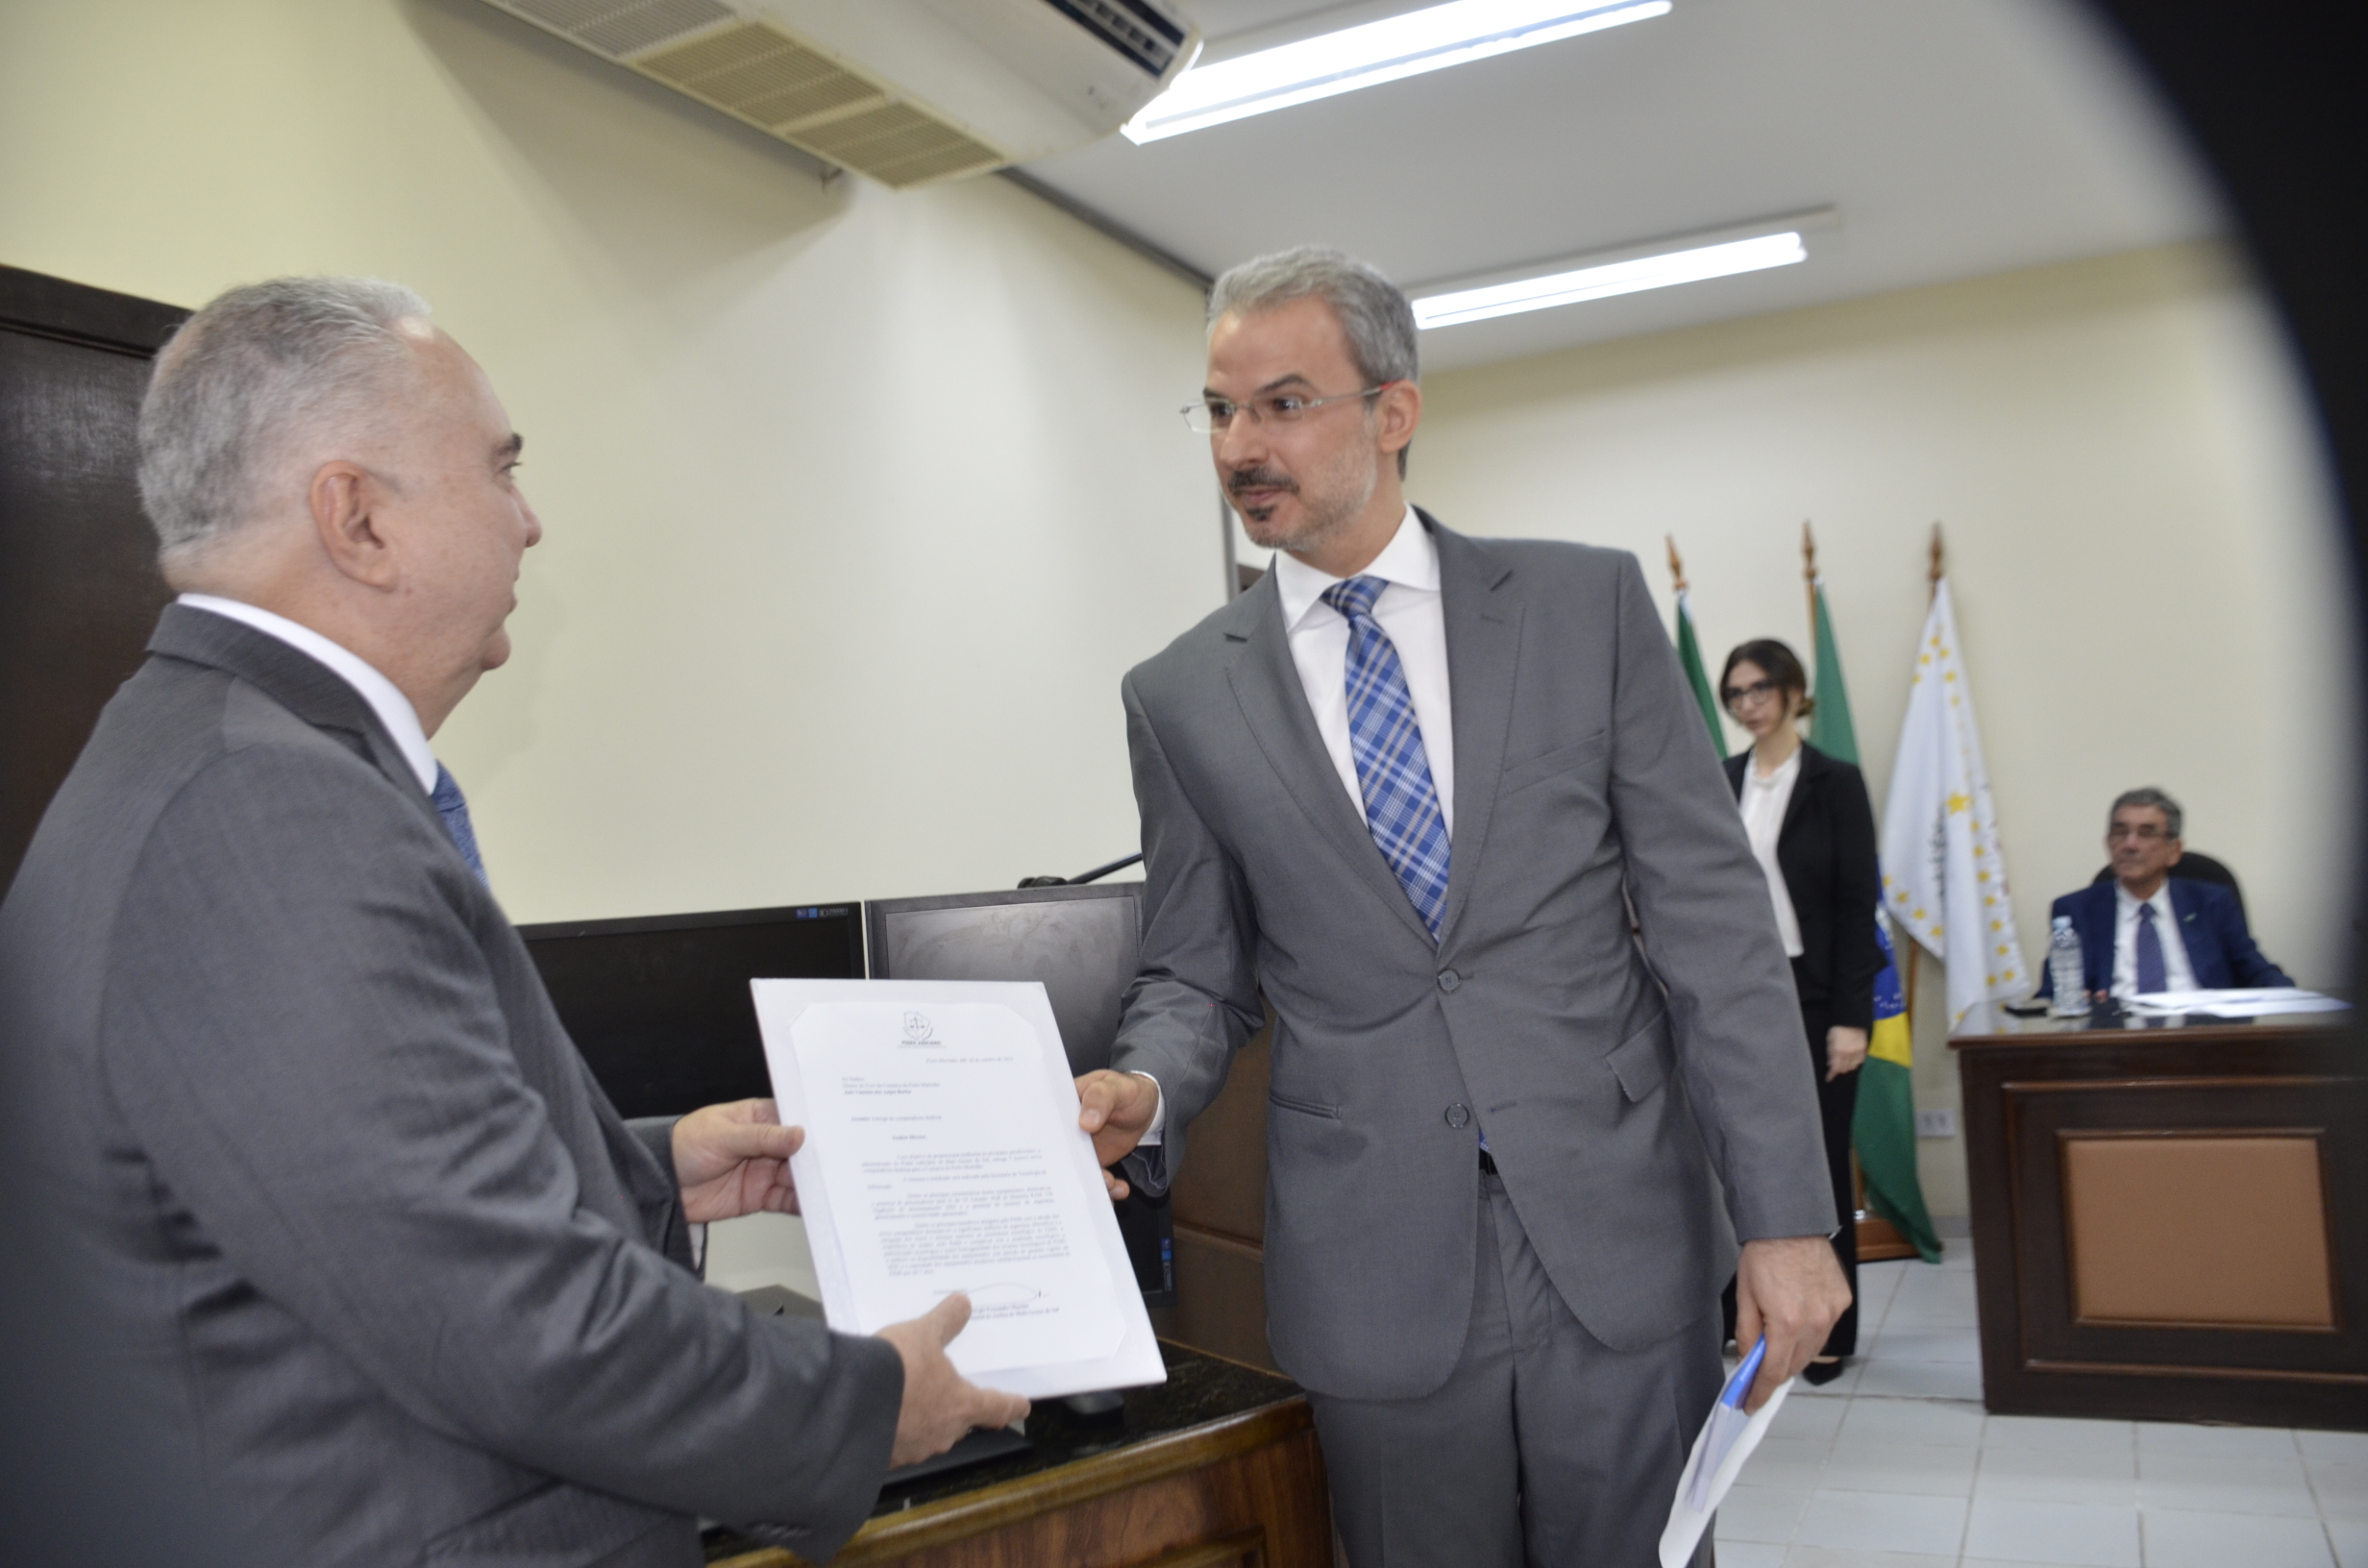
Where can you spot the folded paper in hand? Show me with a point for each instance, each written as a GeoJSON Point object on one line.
{"type": "Point", "coordinates": [942, 1154]}
{"type": "Point", "coordinates": [1726, 1440]}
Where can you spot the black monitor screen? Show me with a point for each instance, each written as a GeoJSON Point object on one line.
{"type": "Point", "coordinates": [661, 1006]}
{"type": "Point", "coordinates": [1083, 943]}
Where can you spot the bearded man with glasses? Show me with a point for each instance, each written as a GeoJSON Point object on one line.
{"type": "Point", "coordinates": [1408, 788]}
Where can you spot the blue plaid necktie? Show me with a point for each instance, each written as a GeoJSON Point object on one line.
{"type": "Point", "coordinates": [2152, 974]}
{"type": "Point", "coordinates": [1401, 804]}
{"type": "Point", "coordinates": [454, 808]}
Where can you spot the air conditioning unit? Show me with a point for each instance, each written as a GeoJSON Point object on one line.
{"type": "Point", "coordinates": [907, 91]}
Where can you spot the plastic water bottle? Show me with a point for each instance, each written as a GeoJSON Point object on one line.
{"type": "Point", "coordinates": [2069, 976]}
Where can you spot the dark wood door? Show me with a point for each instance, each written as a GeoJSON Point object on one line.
{"type": "Point", "coordinates": [79, 588]}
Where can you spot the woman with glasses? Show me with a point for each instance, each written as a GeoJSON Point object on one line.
{"type": "Point", "coordinates": [1813, 830]}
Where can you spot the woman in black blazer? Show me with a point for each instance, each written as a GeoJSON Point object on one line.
{"type": "Point", "coordinates": [1809, 816]}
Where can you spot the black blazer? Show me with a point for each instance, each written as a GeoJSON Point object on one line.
{"type": "Point", "coordinates": [1826, 850]}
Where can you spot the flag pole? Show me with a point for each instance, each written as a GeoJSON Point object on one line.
{"type": "Point", "coordinates": [1677, 568]}
{"type": "Point", "coordinates": [1931, 591]}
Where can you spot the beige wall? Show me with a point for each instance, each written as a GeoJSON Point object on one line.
{"type": "Point", "coordinates": [2147, 577]}
{"type": "Point", "coordinates": [858, 502]}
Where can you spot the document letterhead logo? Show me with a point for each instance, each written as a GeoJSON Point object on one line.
{"type": "Point", "coordinates": [917, 1030]}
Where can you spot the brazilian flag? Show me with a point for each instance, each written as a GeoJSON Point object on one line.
{"type": "Point", "coordinates": [1884, 1128]}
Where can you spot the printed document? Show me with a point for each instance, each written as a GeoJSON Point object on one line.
{"type": "Point", "coordinates": [942, 1154]}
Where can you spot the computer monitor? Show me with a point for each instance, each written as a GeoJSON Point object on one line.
{"type": "Point", "coordinates": [1084, 944]}
{"type": "Point", "coordinates": [660, 1005]}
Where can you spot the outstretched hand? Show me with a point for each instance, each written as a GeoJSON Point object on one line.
{"type": "Point", "coordinates": [734, 1160]}
{"type": "Point", "coordinates": [1116, 1108]}
{"type": "Point", "coordinates": [940, 1406]}
{"type": "Point", "coordinates": [1790, 1288]}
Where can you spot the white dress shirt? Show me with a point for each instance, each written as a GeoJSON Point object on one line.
{"type": "Point", "coordinates": [1764, 802]}
{"type": "Point", "coordinates": [1412, 617]}
{"type": "Point", "coordinates": [393, 708]}
{"type": "Point", "coordinates": [2176, 973]}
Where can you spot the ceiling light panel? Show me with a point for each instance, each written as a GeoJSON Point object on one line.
{"type": "Point", "coordinates": [1777, 242]}
{"type": "Point", "coordinates": [1454, 34]}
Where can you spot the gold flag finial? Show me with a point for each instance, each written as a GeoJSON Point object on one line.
{"type": "Point", "coordinates": [1677, 568]}
{"type": "Point", "coordinates": [1932, 579]}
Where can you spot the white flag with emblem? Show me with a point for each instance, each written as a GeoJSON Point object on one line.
{"type": "Point", "coordinates": [1944, 871]}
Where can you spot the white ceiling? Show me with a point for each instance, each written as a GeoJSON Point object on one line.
{"type": "Point", "coordinates": [1957, 137]}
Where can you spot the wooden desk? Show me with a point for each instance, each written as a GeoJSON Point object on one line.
{"type": "Point", "coordinates": [2171, 1223]}
{"type": "Point", "coordinates": [1215, 1468]}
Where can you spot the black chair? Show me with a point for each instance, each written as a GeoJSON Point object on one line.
{"type": "Point", "coordinates": [2195, 868]}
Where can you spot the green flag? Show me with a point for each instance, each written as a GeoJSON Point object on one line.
{"type": "Point", "coordinates": [1689, 659]}
{"type": "Point", "coordinates": [1882, 1128]}
{"type": "Point", "coordinates": [1830, 727]}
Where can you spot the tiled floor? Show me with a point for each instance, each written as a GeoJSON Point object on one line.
{"type": "Point", "coordinates": [1895, 1465]}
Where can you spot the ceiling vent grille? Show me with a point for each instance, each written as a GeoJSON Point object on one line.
{"type": "Point", "coordinates": [907, 91]}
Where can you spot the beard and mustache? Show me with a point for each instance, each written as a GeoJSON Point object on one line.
{"type": "Point", "coordinates": [1339, 494]}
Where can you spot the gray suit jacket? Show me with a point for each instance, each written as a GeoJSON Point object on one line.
{"type": "Point", "coordinates": [1613, 1083]}
{"type": "Point", "coordinates": [342, 1184]}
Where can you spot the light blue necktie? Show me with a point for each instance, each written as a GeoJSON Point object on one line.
{"type": "Point", "coordinates": [454, 808]}
{"type": "Point", "coordinates": [1394, 774]}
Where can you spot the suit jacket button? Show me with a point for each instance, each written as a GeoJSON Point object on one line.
{"type": "Point", "coordinates": [1459, 1116]}
{"type": "Point", "coordinates": [1448, 979]}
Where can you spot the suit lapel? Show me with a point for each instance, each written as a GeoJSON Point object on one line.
{"type": "Point", "coordinates": [2195, 936]}
{"type": "Point", "coordinates": [1484, 644]}
{"type": "Point", "coordinates": [1266, 684]}
{"type": "Point", "coordinates": [1808, 782]}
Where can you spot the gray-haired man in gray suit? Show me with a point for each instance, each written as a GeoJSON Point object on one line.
{"type": "Point", "coordinates": [1410, 787]}
{"type": "Point", "coordinates": [340, 1184]}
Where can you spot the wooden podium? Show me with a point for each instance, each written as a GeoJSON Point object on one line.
{"type": "Point", "coordinates": [2172, 1223]}
{"type": "Point", "coordinates": [1215, 1468]}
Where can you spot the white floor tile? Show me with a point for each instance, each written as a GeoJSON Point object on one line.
{"type": "Point", "coordinates": [2059, 1435]}
{"type": "Point", "coordinates": [1785, 1461]}
{"type": "Point", "coordinates": [1760, 1513]}
{"type": "Point", "coordinates": [2208, 1483]}
{"type": "Point", "coordinates": [2215, 1442]}
{"type": "Point", "coordinates": [1842, 1388]}
{"type": "Point", "coordinates": [1920, 1379]}
{"type": "Point", "coordinates": [1914, 1421]}
{"type": "Point", "coordinates": [1808, 1418]}
{"type": "Point", "coordinates": [1827, 1556]}
{"type": "Point", "coordinates": [1881, 1522]}
{"type": "Point", "coordinates": [2045, 1475]}
{"type": "Point", "coordinates": [2234, 1540]}
{"type": "Point", "coordinates": [1959, 1347]}
{"type": "Point", "coordinates": [2351, 1538]}
{"type": "Point", "coordinates": [1924, 1469]}
{"type": "Point", "coordinates": [2334, 1447]}
{"type": "Point", "coordinates": [1930, 1315]}
{"type": "Point", "coordinates": [1751, 1553]}
{"type": "Point", "coordinates": [2342, 1489]}
{"type": "Point", "coordinates": [2088, 1535]}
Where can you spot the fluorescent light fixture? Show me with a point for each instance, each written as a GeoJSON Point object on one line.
{"type": "Point", "coordinates": [1681, 263]}
{"type": "Point", "coordinates": [1364, 57]}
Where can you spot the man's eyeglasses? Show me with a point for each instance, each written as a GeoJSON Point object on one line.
{"type": "Point", "coordinates": [2143, 832]}
{"type": "Point", "coordinates": [1735, 696]}
{"type": "Point", "coordinates": [1213, 414]}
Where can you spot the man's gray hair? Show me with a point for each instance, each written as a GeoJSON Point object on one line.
{"type": "Point", "coordinates": [255, 370]}
{"type": "Point", "coordinates": [2173, 819]}
{"type": "Point", "coordinates": [1372, 310]}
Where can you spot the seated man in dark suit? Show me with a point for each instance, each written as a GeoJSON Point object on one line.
{"type": "Point", "coordinates": [2151, 930]}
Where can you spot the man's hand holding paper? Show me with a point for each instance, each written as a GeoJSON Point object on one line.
{"type": "Point", "coordinates": [1116, 1109]}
